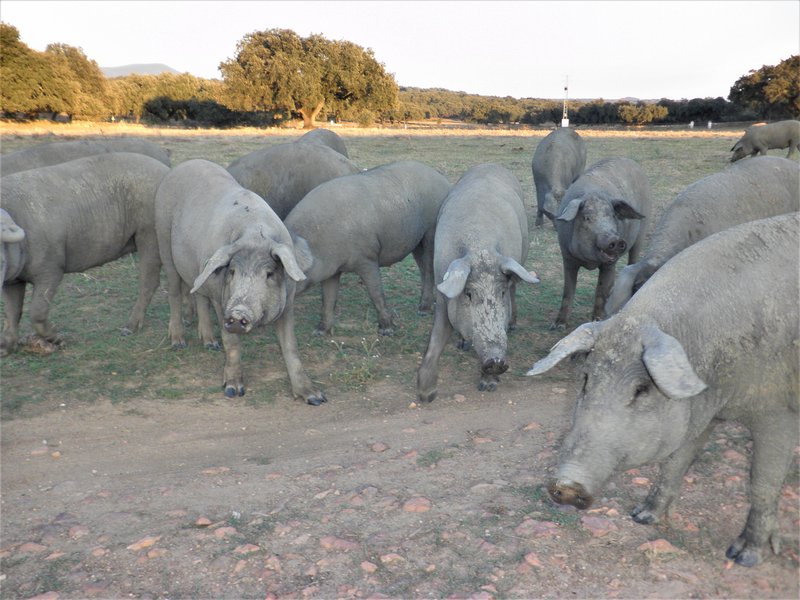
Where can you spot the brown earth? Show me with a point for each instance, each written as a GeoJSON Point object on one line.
{"type": "Point", "coordinates": [368, 496]}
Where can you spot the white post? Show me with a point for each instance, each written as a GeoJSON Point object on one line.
{"type": "Point", "coordinates": [564, 115]}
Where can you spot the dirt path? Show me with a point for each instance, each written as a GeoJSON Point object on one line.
{"type": "Point", "coordinates": [365, 497]}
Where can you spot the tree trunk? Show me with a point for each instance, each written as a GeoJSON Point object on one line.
{"type": "Point", "coordinates": [310, 114]}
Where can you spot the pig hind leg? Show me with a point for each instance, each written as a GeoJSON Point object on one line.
{"type": "Point", "coordinates": [371, 276]}
{"type": "Point", "coordinates": [330, 292]}
{"type": "Point", "coordinates": [423, 256]}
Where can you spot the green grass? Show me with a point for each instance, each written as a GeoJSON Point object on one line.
{"type": "Point", "coordinates": [98, 364]}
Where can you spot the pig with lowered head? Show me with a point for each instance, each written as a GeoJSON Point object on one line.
{"type": "Point", "coordinates": [360, 223]}
{"type": "Point", "coordinates": [599, 220]}
{"type": "Point", "coordinates": [712, 336]}
{"type": "Point", "coordinates": [76, 215]}
{"type": "Point", "coordinates": [558, 160]}
{"type": "Point", "coordinates": [283, 174]}
{"type": "Point", "coordinates": [480, 247]}
{"type": "Point", "coordinates": [757, 139]}
{"type": "Point", "coordinates": [754, 189]}
{"type": "Point", "coordinates": [325, 137]}
{"type": "Point", "coordinates": [237, 256]}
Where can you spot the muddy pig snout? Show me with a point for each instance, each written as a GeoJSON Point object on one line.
{"type": "Point", "coordinates": [613, 245]}
{"type": "Point", "coordinates": [238, 321]}
{"type": "Point", "coordinates": [569, 492]}
{"type": "Point", "coordinates": [494, 366]}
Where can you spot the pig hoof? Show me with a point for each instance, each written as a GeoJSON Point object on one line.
{"type": "Point", "coordinates": [487, 386]}
{"type": "Point", "coordinates": [428, 398]}
{"type": "Point", "coordinates": [747, 557]}
{"type": "Point", "coordinates": [388, 331]}
{"type": "Point", "coordinates": [213, 346]}
{"type": "Point", "coordinates": [557, 326]}
{"type": "Point", "coordinates": [424, 311]}
{"type": "Point", "coordinates": [464, 345]}
{"type": "Point", "coordinates": [126, 331]}
{"type": "Point", "coordinates": [321, 330]}
{"type": "Point", "coordinates": [317, 399]}
{"type": "Point", "coordinates": [641, 515]}
{"type": "Point", "coordinates": [233, 391]}
{"type": "Point", "coordinates": [179, 345]}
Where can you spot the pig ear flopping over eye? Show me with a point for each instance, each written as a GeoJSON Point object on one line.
{"type": "Point", "coordinates": [623, 210]}
{"type": "Point", "coordinates": [570, 210]}
{"type": "Point", "coordinates": [511, 267]}
{"type": "Point", "coordinates": [669, 366]}
{"type": "Point", "coordinates": [219, 259]}
{"type": "Point", "coordinates": [455, 278]}
{"type": "Point", "coordinates": [286, 256]}
{"type": "Point", "coordinates": [579, 341]}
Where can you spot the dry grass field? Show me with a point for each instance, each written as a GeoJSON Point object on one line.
{"type": "Point", "coordinates": [126, 473]}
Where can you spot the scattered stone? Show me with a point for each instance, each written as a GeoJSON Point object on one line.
{"type": "Point", "coordinates": [40, 452]}
{"type": "Point", "coordinates": [157, 553]}
{"type": "Point", "coordinates": [379, 447]}
{"type": "Point", "coordinates": [532, 559]}
{"type": "Point", "coordinates": [202, 522]}
{"type": "Point", "coordinates": [598, 526]}
{"type": "Point", "coordinates": [659, 546]}
{"type": "Point", "coordinates": [331, 542]}
{"type": "Point", "coordinates": [532, 426]}
{"type": "Point", "coordinates": [46, 596]}
{"type": "Point", "coordinates": [31, 548]}
{"type": "Point", "coordinates": [417, 505]}
{"type": "Point", "coordinates": [240, 566]}
{"type": "Point", "coordinates": [534, 528]}
{"type": "Point", "coordinates": [78, 531]}
{"type": "Point", "coordinates": [368, 567]}
{"type": "Point", "coordinates": [225, 532]}
{"type": "Point", "coordinates": [459, 397]}
{"type": "Point", "coordinates": [55, 555]}
{"type": "Point", "coordinates": [481, 440]}
{"type": "Point", "coordinates": [96, 588]}
{"type": "Point", "coordinates": [55, 454]}
{"type": "Point", "coordinates": [640, 481]}
{"type": "Point", "coordinates": [215, 471]}
{"type": "Point", "coordinates": [177, 514]}
{"type": "Point", "coordinates": [391, 559]}
{"type": "Point", "coordinates": [247, 549]}
{"type": "Point", "coordinates": [98, 552]}
{"type": "Point", "coordinates": [143, 543]}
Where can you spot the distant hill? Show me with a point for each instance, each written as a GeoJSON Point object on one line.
{"type": "Point", "coordinates": [148, 69]}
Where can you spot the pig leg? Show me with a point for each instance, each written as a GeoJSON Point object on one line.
{"type": "Point", "coordinates": [423, 256]}
{"type": "Point", "coordinates": [512, 296]}
{"type": "Point", "coordinates": [773, 443]}
{"type": "Point", "coordinates": [302, 387]}
{"type": "Point", "coordinates": [205, 326]}
{"type": "Point", "coordinates": [371, 276]}
{"type": "Point", "coordinates": [669, 481]}
{"type": "Point", "coordinates": [428, 372]}
{"type": "Point", "coordinates": [149, 278]}
{"type": "Point", "coordinates": [605, 281]}
{"type": "Point", "coordinates": [13, 299]}
{"type": "Point", "coordinates": [44, 290]}
{"type": "Point", "coordinates": [570, 282]}
{"type": "Point", "coordinates": [175, 296]}
{"type": "Point", "coordinates": [330, 292]}
{"type": "Point", "coordinates": [232, 377]}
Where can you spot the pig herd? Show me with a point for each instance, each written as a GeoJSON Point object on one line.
{"type": "Point", "coordinates": [701, 326]}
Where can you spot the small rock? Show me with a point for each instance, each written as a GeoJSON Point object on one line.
{"type": "Point", "coordinates": [368, 567]}
{"type": "Point", "coordinates": [459, 397]}
{"type": "Point", "coordinates": [417, 505]}
{"type": "Point", "coordinates": [640, 481]}
{"type": "Point", "coordinates": [532, 426]}
{"type": "Point", "coordinates": [659, 546]}
{"type": "Point", "coordinates": [392, 558]}
{"type": "Point", "coordinates": [98, 552]}
{"type": "Point", "coordinates": [157, 553]}
{"type": "Point", "coordinates": [598, 526]}
{"type": "Point", "coordinates": [215, 471]}
{"type": "Point", "coordinates": [46, 596]}
{"type": "Point", "coordinates": [247, 549]}
{"type": "Point", "coordinates": [202, 522]}
{"type": "Point", "coordinates": [78, 531]}
{"type": "Point", "coordinates": [55, 555]}
{"type": "Point", "coordinates": [31, 548]}
{"type": "Point", "coordinates": [144, 543]}
{"type": "Point", "coordinates": [225, 532]}
{"type": "Point", "coordinates": [332, 542]}
{"type": "Point", "coordinates": [533, 559]}
{"type": "Point", "coordinates": [379, 447]}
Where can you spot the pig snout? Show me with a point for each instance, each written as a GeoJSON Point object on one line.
{"type": "Point", "coordinates": [569, 492]}
{"type": "Point", "coordinates": [494, 366]}
{"type": "Point", "coordinates": [612, 247]}
{"type": "Point", "coordinates": [239, 320]}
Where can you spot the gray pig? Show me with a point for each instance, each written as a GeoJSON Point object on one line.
{"type": "Point", "coordinates": [558, 160]}
{"type": "Point", "coordinates": [284, 173]}
{"type": "Point", "coordinates": [757, 139]}
{"type": "Point", "coordinates": [225, 242]}
{"type": "Point", "coordinates": [77, 215]}
{"type": "Point", "coordinates": [11, 236]}
{"type": "Point", "coordinates": [54, 153]}
{"type": "Point", "coordinates": [359, 223]}
{"type": "Point", "coordinates": [754, 189]}
{"type": "Point", "coordinates": [687, 351]}
{"type": "Point", "coordinates": [325, 137]}
{"type": "Point", "coordinates": [480, 246]}
{"type": "Point", "coordinates": [600, 218]}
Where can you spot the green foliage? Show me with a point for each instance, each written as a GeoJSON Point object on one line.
{"type": "Point", "coordinates": [279, 70]}
{"type": "Point", "coordinates": [771, 92]}
{"type": "Point", "coordinates": [91, 100]}
{"type": "Point", "coordinates": [641, 113]}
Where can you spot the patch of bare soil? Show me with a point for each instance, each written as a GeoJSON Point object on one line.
{"type": "Point", "coordinates": [368, 496]}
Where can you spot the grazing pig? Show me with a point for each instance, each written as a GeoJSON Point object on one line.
{"type": "Point", "coordinates": [754, 189]}
{"type": "Point", "coordinates": [600, 218]}
{"type": "Point", "coordinates": [480, 248]}
{"type": "Point", "coordinates": [226, 243]}
{"type": "Point", "coordinates": [757, 139]}
{"type": "Point", "coordinates": [77, 215]}
{"type": "Point", "coordinates": [284, 173]}
{"type": "Point", "coordinates": [54, 153]}
{"type": "Point", "coordinates": [712, 336]}
{"type": "Point", "coordinates": [559, 160]}
{"type": "Point", "coordinates": [326, 137]}
{"type": "Point", "coordinates": [359, 223]}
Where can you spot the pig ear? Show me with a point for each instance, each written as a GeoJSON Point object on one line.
{"type": "Point", "coordinates": [623, 210]}
{"type": "Point", "coordinates": [11, 233]}
{"type": "Point", "coordinates": [668, 365]}
{"type": "Point", "coordinates": [579, 341]}
{"type": "Point", "coordinates": [286, 256]}
{"type": "Point", "coordinates": [570, 210]}
{"type": "Point", "coordinates": [302, 252]}
{"type": "Point", "coordinates": [220, 258]}
{"type": "Point", "coordinates": [511, 267]}
{"type": "Point", "coordinates": [455, 278]}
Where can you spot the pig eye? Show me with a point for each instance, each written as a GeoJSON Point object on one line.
{"type": "Point", "coordinates": [468, 295]}
{"type": "Point", "coordinates": [270, 274]}
{"type": "Point", "coordinates": [642, 388]}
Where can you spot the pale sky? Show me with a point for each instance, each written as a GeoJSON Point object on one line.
{"type": "Point", "coordinates": [644, 49]}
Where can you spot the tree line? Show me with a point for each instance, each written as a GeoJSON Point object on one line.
{"type": "Point", "coordinates": [277, 76]}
